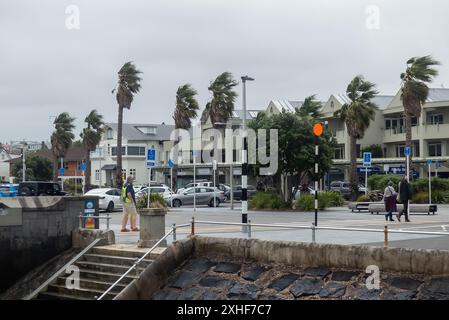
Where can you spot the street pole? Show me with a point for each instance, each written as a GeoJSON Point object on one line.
{"type": "Point", "coordinates": [408, 177]}
{"type": "Point", "coordinates": [23, 165]}
{"type": "Point", "coordinates": [430, 184]}
{"type": "Point", "coordinates": [194, 180]}
{"type": "Point", "coordinates": [366, 181]}
{"type": "Point", "coordinates": [244, 159]}
{"type": "Point", "coordinates": [316, 184]}
{"type": "Point", "coordinates": [171, 186]}
{"type": "Point", "coordinates": [149, 187]}
{"type": "Point", "coordinates": [231, 193]}
{"type": "Point", "coordinates": [214, 164]}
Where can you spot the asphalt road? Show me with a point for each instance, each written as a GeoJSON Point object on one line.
{"type": "Point", "coordinates": [333, 217]}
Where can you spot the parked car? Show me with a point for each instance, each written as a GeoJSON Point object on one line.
{"type": "Point", "coordinates": [40, 188]}
{"type": "Point", "coordinates": [162, 190]}
{"type": "Point", "coordinates": [198, 183]}
{"type": "Point", "coordinates": [8, 190]}
{"type": "Point", "coordinates": [251, 191]}
{"type": "Point", "coordinates": [223, 187]}
{"type": "Point", "coordinates": [204, 196]}
{"type": "Point", "coordinates": [298, 192]}
{"type": "Point", "coordinates": [109, 198]}
{"type": "Point", "coordinates": [343, 188]}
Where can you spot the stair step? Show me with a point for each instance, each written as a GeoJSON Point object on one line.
{"type": "Point", "coordinates": [97, 284]}
{"type": "Point", "coordinates": [58, 296]}
{"type": "Point", "coordinates": [106, 276]}
{"type": "Point", "coordinates": [81, 292]}
{"type": "Point", "coordinates": [112, 251]}
{"type": "Point", "coordinates": [106, 267]}
{"type": "Point", "coordinates": [117, 260]}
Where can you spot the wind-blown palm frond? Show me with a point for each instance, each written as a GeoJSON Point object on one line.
{"type": "Point", "coordinates": [186, 107]}
{"type": "Point", "coordinates": [128, 84]}
{"type": "Point", "coordinates": [310, 108]}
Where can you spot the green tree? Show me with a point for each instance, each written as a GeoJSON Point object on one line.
{"type": "Point", "coordinates": [418, 74]}
{"type": "Point", "coordinates": [221, 106]}
{"type": "Point", "coordinates": [61, 139]}
{"type": "Point", "coordinates": [310, 108]}
{"type": "Point", "coordinates": [37, 168]}
{"type": "Point", "coordinates": [375, 149]}
{"type": "Point", "coordinates": [91, 136]}
{"type": "Point", "coordinates": [128, 85]}
{"type": "Point", "coordinates": [186, 109]}
{"type": "Point", "coordinates": [357, 116]}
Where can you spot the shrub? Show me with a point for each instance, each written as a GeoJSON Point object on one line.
{"type": "Point", "coordinates": [420, 197]}
{"type": "Point", "coordinates": [333, 199]}
{"type": "Point", "coordinates": [363, 198]}
{"type": "Point", "coordinates": [380, 181]}
{"type": "Point", "coordinates": [266, 200]}
{"type": "Point", "coordinates": [439, 196]}
{"type": "Point", "coordinates": [306, 202]}
{"type": "Point", "coordinates": [422, 185]}
{"type": "Point", "coordinates": [156, 201]}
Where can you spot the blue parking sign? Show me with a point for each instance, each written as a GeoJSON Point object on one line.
{"type": "Point", "coordinates": [407, 151]}
{"type": "Point", "coordinates": [151, 154]}
{"type": "Point", "coordinates": [429, 161]}
{"type": "Point", "coordinates": [61, 171]}
{"type": "Point", "coordinates": [367, 159]}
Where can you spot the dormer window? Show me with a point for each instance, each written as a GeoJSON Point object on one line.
{"type": "Point", "coordinates": [147, 130]}
{"type": "Point", "coordinates": [332, 104]}
{"type": "Point", "coordinates": [109, 134]}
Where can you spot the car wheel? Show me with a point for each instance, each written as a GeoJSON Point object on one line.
{"type": "Point", "coordinates": [110, 207]}
{"type": "Point", "coordinates": [176, 203]}
{"type": "Point", "coordinates": [217, 202]}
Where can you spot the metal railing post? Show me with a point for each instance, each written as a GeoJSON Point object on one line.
{"type": "Point", "coordinates": [313, 232]}
{"type": "Point", "coordinates": [137, 266]}
{"type": "Point", "coordinates": [249, 228]}
{"type": "Point", "coordinates": [192, 226]}
{"type": "Point", "coordinates": [107, 221]}
{"type": "Point", "coordinates": [174, 231]}
{"type": "Point", "coordinates": [386, 236]}
{"type": "Point", "coordinates": [81, 220]}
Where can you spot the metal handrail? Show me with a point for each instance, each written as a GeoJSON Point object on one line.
{"type": "Point", "coordinates": [60, 271]}
{"type": "Point", "coordinates": [136, 264]}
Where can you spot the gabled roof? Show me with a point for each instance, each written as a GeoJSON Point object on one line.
{"type": "Point", "coordinates": [438, 94]}
{"type": "Point", "coordinates": [382, 101]}
{"type": "Point", "coordinates": [131, 131]}
{"type": "Point", "coordinates": [250, 114]}
{"type": "Point", "coordinates": [286, 105]}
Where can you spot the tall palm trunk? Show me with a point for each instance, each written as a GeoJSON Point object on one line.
{"type": "Point", "coordinates": [353, 179]}
{"type": "Point", "coordinates": [88, 169]}
{"type": "Point", "coordinates": [55, 168]}
{"type": "Point", "coordinates": [119, 179]}
{"type": "Point", "coordinates": [408, 138]}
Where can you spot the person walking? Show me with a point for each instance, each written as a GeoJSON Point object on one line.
{"type": "Point", "coordinates": [129, 205]}
{"type": "Point", "coordinates": [405, 194]}
{"type": "Point", "coordinates": [390, 196]}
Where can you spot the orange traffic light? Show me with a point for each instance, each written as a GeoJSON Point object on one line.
{"type": "Point", "coordinates": [318, 129]}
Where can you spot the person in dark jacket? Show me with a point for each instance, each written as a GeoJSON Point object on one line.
{"type": "Point", "coordinates": [405, 194]}
{"type": "Point", "coordinates": [390, 201]}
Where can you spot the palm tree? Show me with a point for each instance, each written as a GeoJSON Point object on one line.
{"type": "Point", "coordinates": [221, 106]}
{"type": "Point", "coordinates": [414, 88]}
{"type": "Point", "coordinates": [357, 116]}
{"type": "Point", "coordinates": [91, 136]}
{"type": "Point", "coordinates": [310, 108]}
{"type": "Point", "coordinates": [186, 110]}
{"type": "Point", "coordinates": [128, 85]}
{"type": "Point", "coordinates": [61, 139]}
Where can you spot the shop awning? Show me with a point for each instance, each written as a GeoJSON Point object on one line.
{"type": "Point", "coordinates": [107, 167]}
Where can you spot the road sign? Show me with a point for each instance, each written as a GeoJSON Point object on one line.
{"type": "Point", "coordinates": [151, 158]}
{"type": "Point", "coordinates": [437, 164]}
{"type": "Point", "coordinates": [61, 171]}
{"type": "Point", "coordinates": [429, 161]}
{"type": "Point", "coordinates": [171, 164]}
{"type": "Point", "coordinates": [407, 151]}
{"type": "Point", "coordinates": [367, 159]}
{"type": "Point", "coordinates": [214, 164]}
{"type": "Point", "coordinates": [83, 166]}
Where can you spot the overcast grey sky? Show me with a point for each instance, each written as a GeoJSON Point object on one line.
{"type": "Point", "coordinates": [292, 48]}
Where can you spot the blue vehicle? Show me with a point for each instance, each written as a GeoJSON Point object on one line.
{"type": "Point", "coordinates": [8, 190]}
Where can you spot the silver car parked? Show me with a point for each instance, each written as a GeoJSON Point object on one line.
{"type": "Point", "coordinates": [203, 195]}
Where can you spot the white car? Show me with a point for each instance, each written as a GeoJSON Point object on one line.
{"type": "Point", "coordinates": [162, 190]}
{"type": "Point", "coordinates": [196, 184]}
{"type": "Point", "coordinates": [310, 191]}
{"type": "Point", "coordinates": [109, 198]}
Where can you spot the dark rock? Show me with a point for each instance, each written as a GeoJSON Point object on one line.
{"type": "Point", "coordinates": [184, 279]}
{"type": "Point", "coordinates": [367, 294]}
{"type": "Point", "coordinates": [283, 282]}
{"type": "Point", "coordinates": [227, 267]}
{"type": "Point", "coordinates": [214, 281]}
{"type": "Point", "coordinates": [254, 274]}
{"type": "Point", "coordinates": [333, 290]}
{"type": "Point", "coordinates": [271, 297]}
{"type": "Point", "coordinates": [405, 283]}
{"type": "Point", "coordinates": [190, 294]}
{"type": "Point", "coordinates": [243, 291]}
{"type": "Point", "coordinates": [306, 287]}
{"type": "Point", "coordinates": [317, 272]}
{"type": "Point", "coordinates": [166, 294]}
{"type": "Point", "coordinates": [199, 265]}
{"type": "Point", "coordinates": [437, 288]}
{"type": "Point", "coordinates": [403, 295]}
{"type": "Point", "coordinates": [344, 275]}
{"type": "Point", "coordinates": [208, 295]}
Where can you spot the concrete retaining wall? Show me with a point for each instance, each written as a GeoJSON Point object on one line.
{"type": "Point", "coordinates": [34, 230]}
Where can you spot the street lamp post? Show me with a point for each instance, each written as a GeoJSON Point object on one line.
{"type": "Point", "coordinates": [244, 159]}
{"type": "Point", "coordinates": [24, 145]}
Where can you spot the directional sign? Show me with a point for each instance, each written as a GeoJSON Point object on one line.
{"type": "Point", "coordinates": [171, 164]}
{"type": "Point", "coordinates": [83, 166]}
{"type": "Point", "coordinates": [407, 151]}
{"type": "Point", "coordinates": [61, 171]}
{"type": "Point", "coordinates": [367, 159]}
{"type": "Point", "coordinates": [151, 158]}
{"type": "Point", "coordinates": [429, 161]}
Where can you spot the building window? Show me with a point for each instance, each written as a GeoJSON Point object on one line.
{"type": "Point", "coordinates": [339, 152]}
{"type": "Point", "coordinates": [414, 121]}
{"type": "Point", "coordinates": [136, 151]}
{"type": "Point", "coordinates": [132, 172]}
{"type": "Point", "coordinates": [109, 134]}
{"type": "Point", "coordinates": [66, 165]}
{"type": "Point", "coordinates": [435, 149]}
{"type": "Point", "coordinates": [387, 124]}
{"type": "Point", "coordinates": [114, 151]}
{"type": "Point", "coordinates": [124, 174]}
{"type": "Point", "coordinates": [435, 118]}
{"type": "Point", "coordinates": [97, 175]}
{"type": "Point", "coordinates": [400, 151]}
{"type": "Point", "coordinates": [147, 130]}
